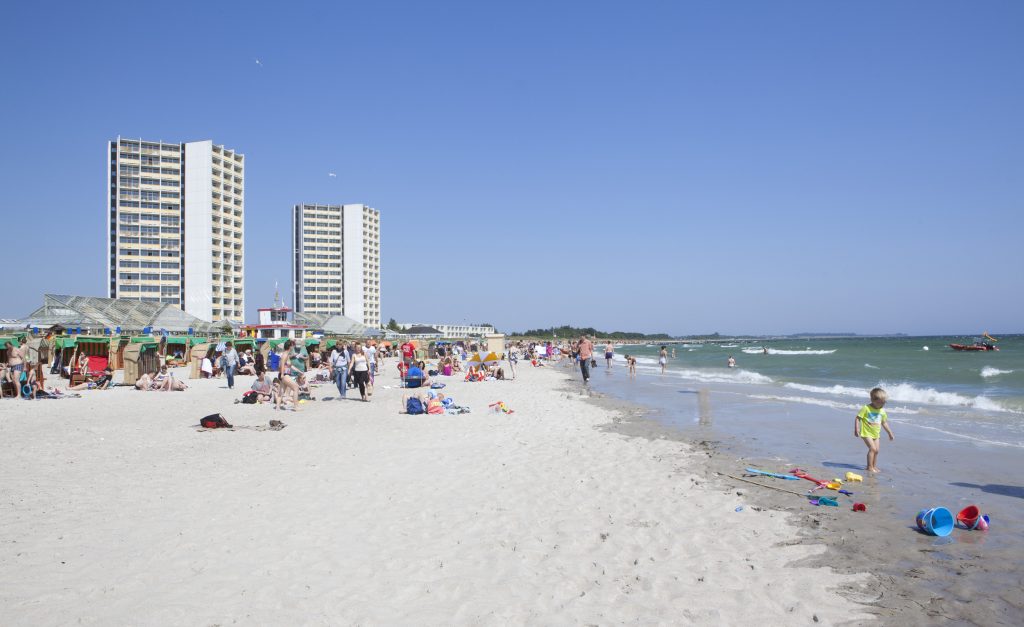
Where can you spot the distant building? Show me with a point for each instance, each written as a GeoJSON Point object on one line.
{"type": "Point", "coordinates": [176, 225]}
{"type": "Point", "coordinates": [423, 332]}
{"type": "Point", "coordinates": [452, 330]}
{"type": "Point", "coordinates": [336, 261]}
{"type": "Point", "coordinates": [274, 323]}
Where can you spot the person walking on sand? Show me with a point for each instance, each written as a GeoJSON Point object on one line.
{"type": "Point", "coordinates": [868, 425]}
{"type": "Point", "coordinates": [586, 353]}
{"type": "Point", "coordinates": [663, 358]}
{"type": "Point", "coordinates": [339, 369]}
{"type": "Point", "coordinates": [228, 363]}
{"type": "Point", "coordinates": [609, 352]}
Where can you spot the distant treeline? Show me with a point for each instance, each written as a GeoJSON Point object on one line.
{"type": "Point", "coordinates": [566, 331]}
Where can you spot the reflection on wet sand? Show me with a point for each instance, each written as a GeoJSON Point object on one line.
{"type": "Point", "coordinates": [704, 407]}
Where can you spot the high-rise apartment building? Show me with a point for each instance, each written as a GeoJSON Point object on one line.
{"type": "Point", "coordinates": [336, 266]}
{"type": "Point", "coordinates": [176, 224]}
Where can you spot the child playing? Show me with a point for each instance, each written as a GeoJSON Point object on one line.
{"type": "Point", "coordinates": [868, 426]}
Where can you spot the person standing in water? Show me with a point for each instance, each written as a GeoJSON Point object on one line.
{"type": "Point", "coordinates": [609, 352]}
{"type": "Point", "coordinates": [663, 358]}
{"type": "Point", "coordinates": [732, 361]}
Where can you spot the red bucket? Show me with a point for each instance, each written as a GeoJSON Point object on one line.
{"type": "Point", "coordinates": [968, 517]}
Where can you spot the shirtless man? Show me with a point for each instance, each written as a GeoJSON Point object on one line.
{"type": "Point", "coordinates": [586, 353]}
{"type": "Point", "coordinates": [16, 365]}
{"type": "Point", "coordinates": [609, 352]}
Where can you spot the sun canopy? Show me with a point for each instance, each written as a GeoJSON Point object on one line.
{"type": "Point", "coordinates": [177, 340]}
{"type": "Point", "coordinates": [474, 360]}
{"type": "Point", "coordinates": [5, 342]}
{"type": "Point", "coordinates": [491, 359]}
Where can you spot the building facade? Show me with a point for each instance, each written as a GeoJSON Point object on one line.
{"type": "Point", "coordinates": [176, 216]}
{"type": "Point", "coordinates": [336, 261]}
{"type": "Point", "coordinates": [453, 330]}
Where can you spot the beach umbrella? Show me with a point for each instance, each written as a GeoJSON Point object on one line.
{"type": "Point", "coordinates": [474, 360]}
{"type": "Point", "coordinates": [491, 359]}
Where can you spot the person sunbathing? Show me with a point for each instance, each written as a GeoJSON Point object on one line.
{"type": "Point", "coordinates": [144, 383]}
{"type": "Point", "coordinates": [416, 378]}
{"type": "Point", "coordinates": [304, 391]}
{"type": "Point", "coordinates": [264, 388]}
{"type": "Point", "coordinates": [246, 363]}
{"type": "Point", "coordinates": [83, 364]}
{"type": "Point", "coordinates": [103, 383]}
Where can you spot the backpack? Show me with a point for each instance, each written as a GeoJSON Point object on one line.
{"type": "Point", "coordinates": [250, 397]}
{"type": "Point", "coordinates": [214, 421]}
{"type": "Point", "coordinates": [414, 406]}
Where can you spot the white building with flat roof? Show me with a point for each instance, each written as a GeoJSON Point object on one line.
{"type": "Point", "coordinates": [175, 217]}
{"type": "Point", "coordinates": [453, 330]}
{"type": "Point", "coordinates": [336, 261]}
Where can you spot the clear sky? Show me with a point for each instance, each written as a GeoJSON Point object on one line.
{"type": "Point", "coordinates": [680, 167]}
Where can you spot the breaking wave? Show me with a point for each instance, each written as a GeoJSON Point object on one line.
{"type": "Point", "coordinates": [780, 351]}
{"type": "Point", "coordinates": [989, 371]}
{"type": "Point", "coordinates": [907, 393]}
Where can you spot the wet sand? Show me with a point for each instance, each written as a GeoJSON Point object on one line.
{"type": "Point", "coordinates": [968, 577]}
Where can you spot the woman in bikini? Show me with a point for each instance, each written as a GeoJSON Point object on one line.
{"type": "Point", "coordinates": [289, 389]}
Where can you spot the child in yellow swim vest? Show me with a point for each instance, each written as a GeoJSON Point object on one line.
{"type": "Point", "coordinates": [868, 426]}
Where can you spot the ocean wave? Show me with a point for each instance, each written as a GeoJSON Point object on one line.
{"type": "Point", "coordinates": [728, 346]}
{"type": "Point", "coordinates": [870, 366]}
{"type": "Point", "coordinates": [822, 402]}
{"type": "Point", "coordinates": [908, 393]}
{"type": "Point", "coordinates": [711, 375]}
{"type": "Point", "coordinates": [989, 371]}
{"type": "Point", "coordinates": [780, 351]}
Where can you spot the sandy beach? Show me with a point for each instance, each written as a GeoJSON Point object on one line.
{"type": "Point", "coordinates": [117, 510]}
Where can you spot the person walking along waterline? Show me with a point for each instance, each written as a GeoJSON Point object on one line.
{"type": "Point", "coordinates": [609, 352]}
{"type": "Point", "coordinates": [586, 353]}
{"type": "Point", "coordinates": [663, 358]}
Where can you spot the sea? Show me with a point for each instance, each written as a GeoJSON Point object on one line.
{"type": "Point", "coordinates": [976, 397]}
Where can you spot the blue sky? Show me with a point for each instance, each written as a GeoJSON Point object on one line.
{"type": "Point", "coordinates": [686, 167]}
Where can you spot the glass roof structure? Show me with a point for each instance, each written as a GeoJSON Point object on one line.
{"type": "Point", "coordinates": [335, 324]}
{"type": "Point", "coordinates": [94, 313]}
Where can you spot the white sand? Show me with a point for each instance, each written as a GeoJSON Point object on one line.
{"type": "Point", "coordinates": [116, 511]}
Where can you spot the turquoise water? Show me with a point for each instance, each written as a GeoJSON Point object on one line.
{"type": "Point", "coordinates": [970, 395]}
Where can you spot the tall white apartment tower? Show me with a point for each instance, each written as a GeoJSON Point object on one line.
{"type": "Point", "coordinates": [176, 225]}
{"type": "Point", "coordinates": [336, 266]}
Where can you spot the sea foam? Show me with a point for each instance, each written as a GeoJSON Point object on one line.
{"type": "Point", "coordinates": [908, 393]}
{"type": "Point", "coordinates": [779, 351]}
{"type": "Point", "coordinates": [989, 371]}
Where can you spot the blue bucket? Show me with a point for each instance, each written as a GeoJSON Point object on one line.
{"type": "Point", "coordinates": [937, 521]}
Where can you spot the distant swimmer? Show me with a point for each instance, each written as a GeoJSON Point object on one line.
{"type": "Point", "coordinates": [663, 358]}
{"type": "Point", "coordinates": [732, 361]}
{"type": "Point", "coordinates": [673, 352]}
{"type": "Point", "coordinates": [765, 350]}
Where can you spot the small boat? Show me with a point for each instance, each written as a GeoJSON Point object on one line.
{"type": "Point", "coordinates": [977, 346]}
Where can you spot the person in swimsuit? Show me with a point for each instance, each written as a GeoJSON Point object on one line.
{"type": "Point", "coordinates": [609, 352]}
{"type": "Point", "coordinates": [663, 358]}
{"type": "Point", "coordinates": [732, 361]}
{"type": "Point", "coordinates": [16, 365]}
{"type": "Point", "coordinates": [83, 364]}
{"type": "Point", "coordinates": [289, 389]}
